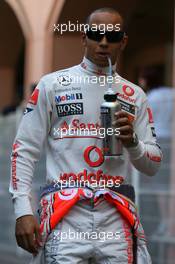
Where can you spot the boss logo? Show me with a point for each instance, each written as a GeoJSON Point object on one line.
{"type": "Point", "coordinates": [70, 109]}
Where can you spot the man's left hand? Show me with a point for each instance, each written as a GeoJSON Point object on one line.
{"type": "Point", "coordinates": [126, 129]}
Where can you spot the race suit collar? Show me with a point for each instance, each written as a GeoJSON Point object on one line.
{"type": "Point", "coordinates": [93, 68]}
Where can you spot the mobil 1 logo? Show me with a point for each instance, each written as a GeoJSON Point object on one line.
{"type": "Point", "coordinates": [69, 109]}
{"type": "Point", "coordinates": [68, 97]}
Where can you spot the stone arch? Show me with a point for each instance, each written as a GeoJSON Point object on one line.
{"type": "Point", "coordinates": [12, 49]}
{"type": "Point", "coordinates": [21, 15]}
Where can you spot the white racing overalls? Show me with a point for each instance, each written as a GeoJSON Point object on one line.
{"type": "Point", "coordinates": [64, 103]}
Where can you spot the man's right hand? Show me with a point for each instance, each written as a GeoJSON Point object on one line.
{"type": "Point", "coordinates": [27, 233]}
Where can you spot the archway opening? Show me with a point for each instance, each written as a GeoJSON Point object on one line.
{"type": "Point", "coordinates": [12, 49]}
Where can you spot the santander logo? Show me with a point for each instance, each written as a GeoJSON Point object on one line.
{"type": "Point", "coordinates": [76, 124]}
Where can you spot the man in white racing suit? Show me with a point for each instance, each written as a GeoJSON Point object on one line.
{"type": "Point", "coordinates": [62, 104]}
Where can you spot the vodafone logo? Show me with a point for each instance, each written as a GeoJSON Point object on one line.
{"type": "Point", "coordinates": [128, 90]}
{"type": "Point", "coordinates": [87, 156]}
{"type": "Point", "coordinates": [127, 98]}
{"type": "Point", "coordinates": [89, 176]}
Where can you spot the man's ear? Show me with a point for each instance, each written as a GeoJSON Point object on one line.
{"type": "Point", "coordinates": [124, 42]}
{"type": "Point", "coordinates": [83, 38]}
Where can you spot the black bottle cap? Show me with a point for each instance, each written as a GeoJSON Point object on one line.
{"type": "Point", "coordinates": [110, 97]}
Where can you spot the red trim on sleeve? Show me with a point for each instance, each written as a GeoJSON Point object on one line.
{"type": "Point", "coordinates": [150, 115]}
{"type": "Point", "coordinates": [34, 97]}
{"type": "Point", "coordinates": [154, 158]}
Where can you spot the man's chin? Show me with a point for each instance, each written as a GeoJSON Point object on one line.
{"type": "Point", "coordinates": [102, 63]}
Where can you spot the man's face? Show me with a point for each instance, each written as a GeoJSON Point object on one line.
{"type": "Point", "coordinates": [97, 51]}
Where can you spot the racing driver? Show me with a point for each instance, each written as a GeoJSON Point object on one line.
{"type": "Point", "coordinates": [84, 224]}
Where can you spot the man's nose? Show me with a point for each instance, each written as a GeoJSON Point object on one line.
{"type": "Point", "coordinates": [103, 42]}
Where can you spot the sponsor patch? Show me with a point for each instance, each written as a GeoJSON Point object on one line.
{"type": "Point", "coordinates": [99, 161]}
{"type": "Point", "coordinates": [153, 131]}
{"type": "Point", "coordinates": [70, 109]}
{"type": "Point", "coordinates": [76, 88]}
{"type": "Point", "coordinates": [34, 97]}
{"type": "Point", "coordinates": [15, 180]}
{"type": "Point", "coordinates": [150, 115]}
{"type": "Point", "coordinates": [129, 91]}
{"type": "Point", "coordinates": [127, 107]}
{"type": "Point", "coordinates": [126, 98]}
{"type": "Point", "coordinates": [27, 110]}
{"type": "Point", "coordinates": [90, 177]}
{"type": "Point", "coordinates": [77, 124]}
{"type": "Point", "coordinates": [64, 80]}
{"type": "Point", "coordinates": [67, 89]}
{"type": "Point", "coordinates": [68, 97]}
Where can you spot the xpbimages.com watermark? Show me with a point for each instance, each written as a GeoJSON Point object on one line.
{"type": "Point", "coordinates": [79, 27]}
{"type": "Point", "coordinates": [100, 79]}
{"type": "Point", "coordinates": [71, 235]}
{"type": "Point", "coordinates": [84, 132]}
{"type": "Point", "coordinates": [82, 181]}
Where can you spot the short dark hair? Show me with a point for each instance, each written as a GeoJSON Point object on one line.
{"type": "Point", "coordinates": [104, 10]}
